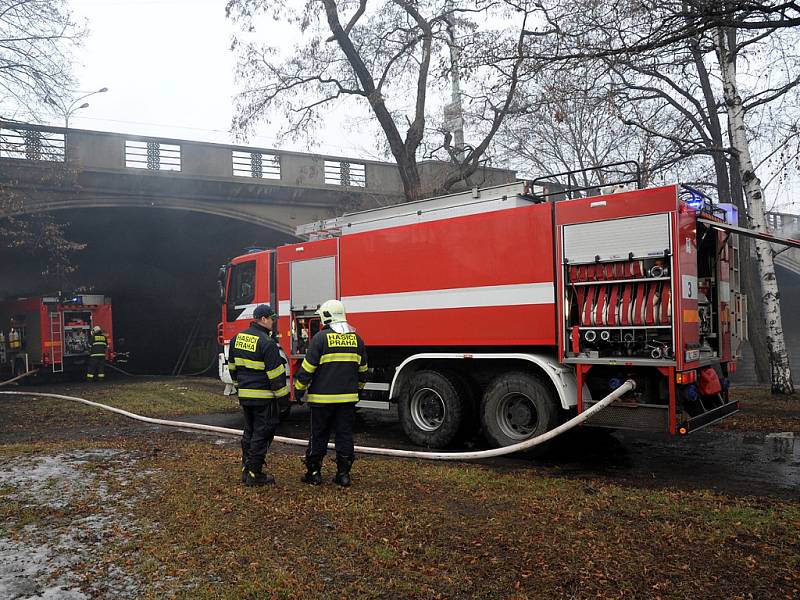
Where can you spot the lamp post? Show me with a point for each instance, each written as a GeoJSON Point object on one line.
{"type": "Point", "coordinates": [69, 110]}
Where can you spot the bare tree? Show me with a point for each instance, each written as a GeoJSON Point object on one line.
{"type": "Point", "coordinates": [36, 40]}
{"type": "Point", "coordinates": [390, 57]}
{"type": "Point", "coordinates": [574, 121]}
{"type": "Point", "coordinates": [727, 49]}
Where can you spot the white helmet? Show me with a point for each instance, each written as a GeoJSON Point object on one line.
{"type": "Point", "coordinates": [332, 311]}
{"type": "Point", "coordinates": [96, 329]}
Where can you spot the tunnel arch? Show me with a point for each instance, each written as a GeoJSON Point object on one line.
{"type": "Point", "coordinates": [287, 218]}
{"type": "Point", "coordinates": [158, 264]}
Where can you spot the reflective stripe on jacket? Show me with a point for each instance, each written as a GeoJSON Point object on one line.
{"type": "Point", "coordinates": [99, 345]}
{"type": "Point", "coordinates": [334, 368]}
{"type": "Point", "coordinates": [255, 364]}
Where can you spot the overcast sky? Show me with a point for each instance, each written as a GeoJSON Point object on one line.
{"type": "Point", "coordinates": [170, 73]}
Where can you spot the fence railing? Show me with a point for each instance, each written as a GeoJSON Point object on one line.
{"type": "Point", "coordinates": [260, 165]}
{"type": "Point", "coordinates": [32, 144]}
{"type": "Point", "coordinates": [152, 155]}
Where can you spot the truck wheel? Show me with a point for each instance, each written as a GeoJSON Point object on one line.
{"type": "Point", "coordinates": [431, 412]}
{"type": "Point", "coordinates": [517, 407]}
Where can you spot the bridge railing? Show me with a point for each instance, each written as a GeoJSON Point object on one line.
{"type": "Point", "coordinates": [104, 151]}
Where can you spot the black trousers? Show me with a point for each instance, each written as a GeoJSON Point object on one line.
{"type": "Point", "coordinates": [260, 423]}
{"type": "Point", "coordinates": [324, 419]}
{"type": "Point", "coordinates": [96, 367]}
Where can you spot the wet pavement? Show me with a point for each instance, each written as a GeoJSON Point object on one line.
{"type": "Point", "coordinates": [750, 464]}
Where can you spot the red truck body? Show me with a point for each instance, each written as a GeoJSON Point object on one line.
{"type": "Point", "coordinates": [54, 332]}
{"type": "Point", "coordinates": [498, 311]}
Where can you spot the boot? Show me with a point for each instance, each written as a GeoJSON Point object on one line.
{"type": "Point", "coordinates": [257, 478]}
{"type": "Point", "coordinates": [244, 473]}
{"type": "Point", "coordinates": [343, 465]}
{"type": "Point", "coordinates": [313, 475]}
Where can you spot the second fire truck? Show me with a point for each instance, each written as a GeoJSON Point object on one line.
{"type": "Point", "coordinates": [51, 333]}
{"type": "Point", "coordinates": [504, 311]}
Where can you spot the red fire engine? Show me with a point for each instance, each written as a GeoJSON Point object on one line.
{"type": "Point", "coordinates": [51, 333]}
{"type": "Point", "coordinates": [504, 310]}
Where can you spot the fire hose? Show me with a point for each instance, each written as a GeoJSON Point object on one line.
{"type": "Point", "coordinates": [18, 377]}
{"type": "Point", "coordinates": [524, 445]}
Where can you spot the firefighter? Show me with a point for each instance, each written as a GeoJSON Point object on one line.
{"type": "Point", "coordinates": [257, 369]}
{"type": "Point", "coordinates": [97, 355]}
{"type": "Point", "coordinates": [333, 372]}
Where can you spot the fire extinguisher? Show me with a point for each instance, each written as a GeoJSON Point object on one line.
{"type": "Point", "coordinates": [14, 340]}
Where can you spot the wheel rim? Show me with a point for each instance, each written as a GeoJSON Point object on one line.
{"type": "Point", "coordinates": [516, 416]}
{"type": "Point", "coordinates": [427, 409]}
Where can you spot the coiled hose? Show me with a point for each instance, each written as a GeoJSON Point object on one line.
{"type": "Point", "coordinates": [530, 443]}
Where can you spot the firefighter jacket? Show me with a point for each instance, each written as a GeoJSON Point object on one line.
{"type": "Point", "coordinates": [334, 368]}
{"type": "Point", "coordinates": [256, 366]}
{"type": "Point", "coordinates": [99, 345]}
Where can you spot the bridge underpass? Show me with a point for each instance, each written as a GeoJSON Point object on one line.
{"type": "Point", "coordinates": [158, 266]}
{"type": "Point", "coordinates": [159, 216]}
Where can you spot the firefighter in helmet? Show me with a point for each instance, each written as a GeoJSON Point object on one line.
{"type": "Point", "coordinates": [256, 367]}
{"type": "Point", "coordinates": [95, 370]}
{"type": "Point", "coordinates": [333, 373]}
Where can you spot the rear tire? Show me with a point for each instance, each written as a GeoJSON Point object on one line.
{"type": "Point", "coordinates": [431, 411]}
{"type": "Point", "coordinates": [517, 407]}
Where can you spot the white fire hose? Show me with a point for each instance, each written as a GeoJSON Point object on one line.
{"type": "Point", "coordinates": [529, 443]}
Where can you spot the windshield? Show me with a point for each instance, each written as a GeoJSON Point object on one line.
{"type": "Point", "coordinates": [241, 289]}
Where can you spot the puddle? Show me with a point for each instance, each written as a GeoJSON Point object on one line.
{"type": "Point", "coordinates": [762, 464]}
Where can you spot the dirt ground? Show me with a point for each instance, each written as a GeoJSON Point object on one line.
{"type": "Point", "coordinates": [98, 506]}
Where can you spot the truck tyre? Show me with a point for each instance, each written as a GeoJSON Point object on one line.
{"type": "Point", "coordinates": [431, 412]}
{"type": "Point", "coordinates": [516, 407]}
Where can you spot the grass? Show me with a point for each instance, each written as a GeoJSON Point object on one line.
{"type": "Point", "coordinates": [760, 410]}
{"type": "Point", "coordinates": [163, 397]}
{"type": "Point", "coordinates": [421, 530]}
{"type": "Point", "coordinates": [407, 529]}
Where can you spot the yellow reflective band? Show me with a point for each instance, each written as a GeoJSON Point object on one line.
{"type": "Point", "coordinates": [266, 394]}
{"type": "Point", "coordinates": [100, 338]}
{"type": "Point", "coordinates": [300, 386]}
{"type": "Point", "coordinates": [363, 368]}
{"type": "Point", "coordinates": [340, 357]}
{"type": "Point", "coordinates": [231, 366]}
{"type": "Point", "coordinates": [250, 364]}
{"type": "Point", "coordinates": [332, 398]}
{"type": "Point", "coordinates": [93, 355]}
{"type": "Point", "coordinates": [280, 370]}
{"type": "Point", "coordinates": [307, 366]}
{"type": "Point", "coordinates": [282, 391]}
{"type": "Point", "coordinates": [361, 385]}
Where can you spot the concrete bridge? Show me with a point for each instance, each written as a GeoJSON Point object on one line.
{"type": "Point", "coordinates": [54, 168]}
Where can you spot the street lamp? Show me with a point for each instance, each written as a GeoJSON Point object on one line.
{"type": "Point", "coordinates": [68, 111]}
{"type": "Point", "coordinates": [73, 108]}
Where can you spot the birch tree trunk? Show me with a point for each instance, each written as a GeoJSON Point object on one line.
{"type": "Point", "coordinates": [770, 299]}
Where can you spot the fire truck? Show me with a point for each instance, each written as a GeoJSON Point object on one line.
{"type": "Point", "coordinates": [503, 310]}
{"type": "Point", "coordinates": [51, 333]}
